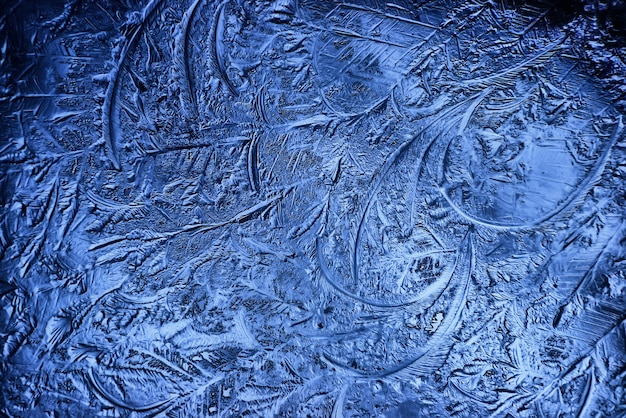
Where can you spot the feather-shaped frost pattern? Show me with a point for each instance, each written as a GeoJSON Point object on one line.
{"type": "Point", "coordinates": [298, 208]}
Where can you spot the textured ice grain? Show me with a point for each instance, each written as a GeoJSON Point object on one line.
{"type": "Point", "coordinates": [300, 208]}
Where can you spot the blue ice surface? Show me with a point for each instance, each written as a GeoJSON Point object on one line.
{"type": "Point", "coordinates": [299, 208]}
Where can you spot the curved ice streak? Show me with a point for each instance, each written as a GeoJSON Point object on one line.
{"type": "Point", "coordinates": [156, 408]}
{"type": "Point", "coordinates": [379, 12]}
{"type": "Point", "coordinates": [542, 55]}
{"type": "Point", "coordinates": [437, 348]}
{"type": "Point", "coordinates": [216, 48]}
{"type": "Point", "coordinates": [390, 161]}
{"type": "Point", "coordinates": [590, 179]}
{"type": "Point", "coordinates": [102, 393]}
{"type": "Point", "coordinates": [428, 296]}
{"type": "Point", "coordinates": [609, 234]}
{"type": "Point", "coordinates": [522, 400]}
{"type": "Point", "coordinates": [181, 61]}
{"type": "Point", "coordinates": [109, 109]}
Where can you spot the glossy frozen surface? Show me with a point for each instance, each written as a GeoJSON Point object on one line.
{"type": "Point", "coordinates": [305, 208]}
